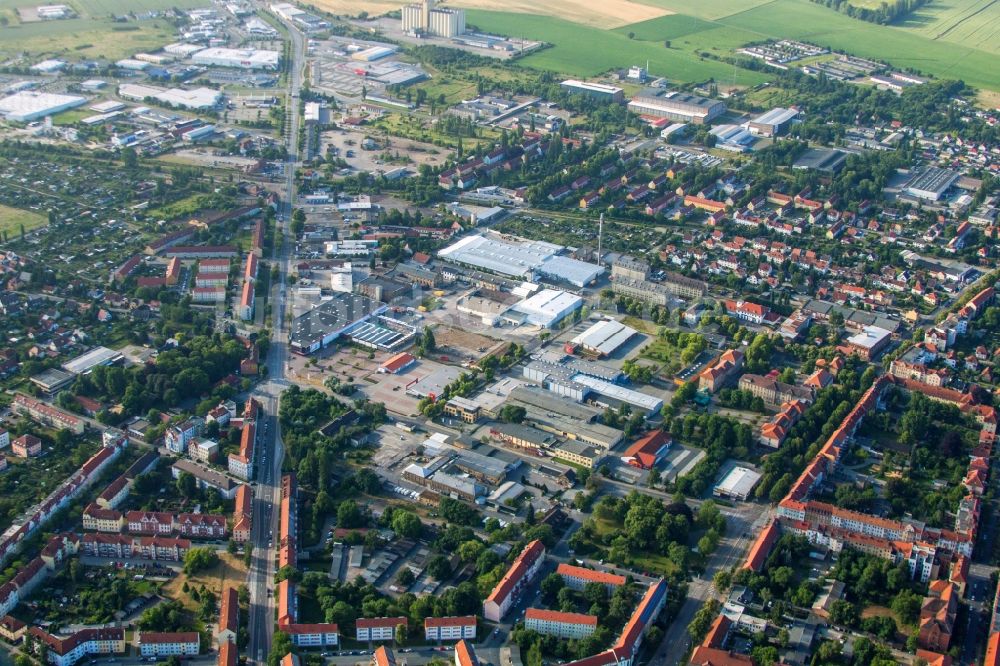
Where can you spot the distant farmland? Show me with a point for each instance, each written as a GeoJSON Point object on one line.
{"type": "Point", "coordinates": [954, 39]}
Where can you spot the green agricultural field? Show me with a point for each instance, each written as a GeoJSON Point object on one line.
{"type": "Point", "coordinates": [11, 220]}
{"type": "Point", "coordinates": [974, 23]}
{"type": "Point", "coordinates": [581, 51]}
{"type": "Point", "coordinates": [957, 39]}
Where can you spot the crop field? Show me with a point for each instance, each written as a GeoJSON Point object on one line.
{"type": "Point", "coordinates": [583, 51]}
{"type": "Point", "coordinates": [11, 220]}
{"type": "Point", "coordinates": [956, 39]}
{"type": "Point", "coordinates": [974, 23]}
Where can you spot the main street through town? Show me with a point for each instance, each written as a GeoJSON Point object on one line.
{"type": "Point", "coordinates": [270, 451]}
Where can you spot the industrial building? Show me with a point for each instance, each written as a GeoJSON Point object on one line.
{"type": "Point", "coordinates": [869, 342]}
{"type": "Point", "coordinates": [733, 138]}
{"type": "Point", "coordinates": [240, 58]}
{"type": "Point", "coordinates": [524, 259]}
{"type": "Point", "coordinates": [198, 98]}
{"type": "Point", "coordinates": [426, 19]}
{"type": "Point", "coordinates": [931, 183]}
{"type": "Point", "coordinates": [595, 90]}
{"type": "Point", "coordinates": [737, 484]}
{"type": "Point", "coordinates": [676, 105]}
{"type": "Point", "coordinates": [28, 105]}
{"type": "Point", "coordinates": [97, 356]}
{"type": "Point", "coordinates": [604, 338]}
{"type": "Point", "coordinates": [826, 160]}
{"type": "Point", "coordinates": [548, 307]}
{"type": "Point", "coordinates": [340, 315]}
{"type": "Point", "coordinates": [773, 122]}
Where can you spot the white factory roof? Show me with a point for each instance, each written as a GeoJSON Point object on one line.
{"type": "Point", "coordinates": [549, 303]}
{"type": "Point", "coordinates": [197, 98]}
{"type": "Point", "coordinates": [49, 66]}
{"type": "Point", "coordinates": [620, 393]}
{"type": "Point", "coordinates": [90, 360]}
{"type": "Point", "coordinates": [500, 256]}
{"type": "Point", "coordinates": [869, 337]}
{"type": "Point", "coordinates": [107, 106]}
{"type": "Point", "coordinates": [776, 116]}
{"type": "Point", "coordinates": [605, 336]}
{"type": "Point", "coordinates": [181, 48]}
{"type": "Point", "coordinates": [573, 271]}
{"type": "Point", "coordinates": [28, 105]}
{"type": "Point", "coordinates": [596, 87]}
{"type": "Point", "coordinates": [250, 58]}
{"type": "Point", "coordinates": [738, 483]}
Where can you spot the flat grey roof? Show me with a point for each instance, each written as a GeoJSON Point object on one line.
{"type": "Point", "coordinates": [821, 159]}
{"type": "Point", "coordinates": [342, 311]}
{"type": "Point", "coordinates": [776, 116]}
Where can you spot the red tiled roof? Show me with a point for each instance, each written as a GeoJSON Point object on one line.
{"type": "Point", "coordinates": [558, 616]}
{"type": "Point", "coordinates": [590, 575]}
{"type": "Point", "coordinates": [462, 621]}
{"type": "Point", "coordinates": [378, 622]}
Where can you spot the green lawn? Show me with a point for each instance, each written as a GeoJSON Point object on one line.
{"type": "Point", "coordinates": [11, 220]}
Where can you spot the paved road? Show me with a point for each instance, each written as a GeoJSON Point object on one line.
{"type": "Point", "coordinates": [730, 552]}
{"type": "Point", "coordinates": [266, 495]}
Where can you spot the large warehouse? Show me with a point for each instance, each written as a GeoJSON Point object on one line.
{"type": "Point", "coordinates": [738, 484]}
{"type": "Point", "coordinates": [28, 105]}
{"type": "Point", "coordinates": [604, 337]}
{"type": "Point", "coordinates": [548, 307]}
{"type": "Point", "coordinates": [241, 58]}
{"type": "Point", "coordinates": [773, 122]}
{"type": "Point", "coordinates": [198, 98]}
{"type": "Point", "coordinates": [524, 259]}
{"type": "Point", "coordinates": [320, 326]}
{"type": "Point", "coordinates": [676, 106]}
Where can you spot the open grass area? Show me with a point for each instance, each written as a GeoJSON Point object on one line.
{"type": "Point", "coordinates": [230, 571]}
{"type": "Point", "coordinates": [11, 220]}
{"type": "Point", "coordinates": [83, 38]}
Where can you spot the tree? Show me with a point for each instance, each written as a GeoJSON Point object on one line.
{"type": "Point", "coordinates": [349, 515]}
{"type": "Point", "coordinates": [199, 559]}
{"type": "Point", "coordinates": [400, 634]}
{"type": "Point", "coordinates": [187, 485]}
{"type": "Point", "coordinates": [406, 524]}
{"type": "Point", "coordinates": [906, 606]}
{"type": "Point", "coordinates": [512, 414]}
{"type": "Point", "coordinates": [405, 576]}
{"type": "Point", "coordinates": [439, 568]}
{"type": "Point", "coordinates": [552, 585]}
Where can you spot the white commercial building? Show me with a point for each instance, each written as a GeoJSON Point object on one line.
{"type": "Point", "coordinates": [28, 105]}
{"type": "Point", "coordinates": [241, 58]}
{"type": "Point", "coordinates": [738, 484]}
{"type": "Point", "coordinates": [49, 66]}
{"type": "Point", "coordinates": [198, 98]}
{"type": "Point", "coordinates": [548, 307]}
{"type": "Point", "coordinates": [604, 337]}
{"type": "Point", "coordinates": [97, 356]}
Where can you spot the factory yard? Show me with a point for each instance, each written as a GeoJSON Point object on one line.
{"type": "Point", "coordinates": [382, 154]}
